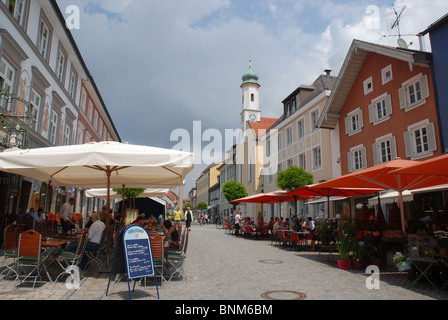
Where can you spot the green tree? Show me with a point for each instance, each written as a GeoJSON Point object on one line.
{"type": "Point", "coordinates": [294, 178]}
{"type": "Point", "coordinates": [130, 193]}
{"type": "Point", "coordinates": [202, 206]}
{"type": "Point", "coordinates": [233, 190]}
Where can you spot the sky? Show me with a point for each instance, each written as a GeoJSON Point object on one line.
{"type": "Point", "coordinates": [164, 67]}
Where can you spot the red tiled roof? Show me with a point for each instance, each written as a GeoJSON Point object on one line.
{"type": "Point", "coordinates": [260, 128]}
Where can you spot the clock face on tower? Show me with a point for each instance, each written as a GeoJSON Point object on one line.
{"type": "Point", "coordinates": [252, 117]}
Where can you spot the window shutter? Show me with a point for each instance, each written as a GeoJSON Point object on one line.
{"type": "Point", "coordinates": [425, 86]}
{"type": "Point", "coordinates": [375, 154]}
{"type": "Point", "coordinates": [372, 113]}
{"type": "Point", "coordinates": [360, 119]}
{"type": "Point", "coordinates": [408, 144]}
{"type": "Point", "coordinates": [402, 94]}
{"type": "Point", "coordinates": [389, 104]}
{"type": "Point", "coordinates": [364, 157]}
{"type": "Point", "coordinates": [430, 129]}
{"type": "Point", "coordinates": [350, 162]}
{"type": "Point", "coordinates": [347, 125]}
{"type": "Point", "coordinates": [393, 148]}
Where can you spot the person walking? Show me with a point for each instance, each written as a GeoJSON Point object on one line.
{"type": "Point", "coordinates": [237, 223]}
{"type": "Point", "coordinates": [189, 218]}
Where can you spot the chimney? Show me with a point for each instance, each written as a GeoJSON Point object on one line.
{"type": "Point", "coordinates": [327, 72]}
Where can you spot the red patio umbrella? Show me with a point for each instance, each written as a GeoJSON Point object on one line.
{"type": "Point", "coordinates": [381, 176]}
{"type": "Point", "coordinates": [317, 190]}
{"type": "Point", "coordinates": [270, 198]}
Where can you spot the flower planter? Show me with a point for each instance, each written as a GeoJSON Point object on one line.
{"type": "Point", "coordinates": [344, 264]}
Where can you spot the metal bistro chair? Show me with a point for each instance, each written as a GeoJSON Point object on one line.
{"type": "Point", "coordinates": [10, 249]}
{"type": "Point", "coordinates": [176, 261]}
{"type": "Point", "coordinates": [67, 260]}
{"type": "Point", "coordinates": [95, 256]}
{"type": "Point", "coordinates": [29, 255]}
{"type": "Point", "coordinates": [158, 254]}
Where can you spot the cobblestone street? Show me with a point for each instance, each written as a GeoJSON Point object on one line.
{"type": "Point", "coordinates": [220, 266]}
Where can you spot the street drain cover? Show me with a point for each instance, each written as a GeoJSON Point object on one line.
{"type": "Point", "coordinates": [283, 295]}
{"type": "Point", "coordinates": [271, 261]}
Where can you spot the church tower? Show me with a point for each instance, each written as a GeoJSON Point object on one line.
{"type": "Point", "coordinates": [250, 92]}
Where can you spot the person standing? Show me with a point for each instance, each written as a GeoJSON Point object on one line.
{"type": "Point", "coordinates": [177, 216]}
{"type": "Point", "coordinates": [67, 222]}
{"type": "Point", "coordinates": [237, 223]}
{"type": "Point", "coordinates": [189, 218]}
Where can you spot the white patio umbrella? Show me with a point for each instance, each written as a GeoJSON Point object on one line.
{"type": "Point", "coordinates": [148, 193]}
{"type": "Point", "coordinates": [101, 164]}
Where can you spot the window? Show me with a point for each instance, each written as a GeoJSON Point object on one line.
{"type": "Point", "coordinates": [279, 141]}
{"type": "Point", "coordinates": [384, 149]}
{"type": "Point", "coordinates": [268, 148]}
{"type": "Point", "coordinates": [386, 74]}
{"type": "Point", "coordinates": [302, 161]}
{"type": "Point", "coordinates": [314, 120]}
{"type": "Point", "coordinates": [354, 122]}
{"type": "Point", "coordinates": [53, 126]}
{"type": "Point", "coordinates": [414, 92]}
{"type": "Point", "coordinates": [34, 109]}
{"type": "Point", "coordinates": [252, 97]}
{"type": "Point", "coordinates": [420, 140]}
{"type": "Point", "coordinates": [72, 84]}
{"type": "Point", "coordinates": [380, 109]}
{"type": "Point", "coordinates": [83, 100]}
{"type": "Point", "coordinates": [60, 65]}
{"type": "Point", "coordinates": [7, 79]}
{"type": "Point", "coordinates": [90, 111]}
{"type": "Point", "coordinates": [317, 158]}
{"type": "Point", "coordinates": [67, 134]}
{"type": "Point", "coordinates": [289, 163]}
{"type": "Point", "coordinates": [288, 136]}
{"type": "Point", "coordinates": [18, 11]}
{"type": "Point", "coordinates": [301, 129]}
{"type": "Point", "coordinates": [43, 40]}
{"type": "Point", "coordinates": [357, 158]}
{"type": "Point", "coordinates": [368, 86]}
{"type": "Point", "coordinates": [288, 111]}
{"type": "Point", "coordinates": [294, 105]}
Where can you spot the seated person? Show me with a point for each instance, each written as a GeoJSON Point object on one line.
{"type": "Point", "coordinates": [94, 237]}
{"type": "Point", "coordinates": [171, 235]}
{"type": "Point", "coordinates": [35, 217]}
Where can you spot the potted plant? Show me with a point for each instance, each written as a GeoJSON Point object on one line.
{"type": "Point", "coordinates": [401, 262]}
{"type": "Point", "coordinates": [358, 257]}
{"type": "Point", "coordinates": [345, 246]}
{"type": "Point", "coordinates": [441, 237]}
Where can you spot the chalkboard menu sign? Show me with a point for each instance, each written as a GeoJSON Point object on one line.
{"type": "Point", "coordinates": [133, 256]}
{"type": "Point", "coordinates": [138, 253]}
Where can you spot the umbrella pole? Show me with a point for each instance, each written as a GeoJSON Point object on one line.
{"type": "Point", "coordinates": [108, 172]}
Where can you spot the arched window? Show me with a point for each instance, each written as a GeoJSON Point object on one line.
{"type": "Point", "coordinates": [252, 97]}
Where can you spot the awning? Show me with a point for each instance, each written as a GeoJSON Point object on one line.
{"type": "Point", "coordinates": [391, 197]}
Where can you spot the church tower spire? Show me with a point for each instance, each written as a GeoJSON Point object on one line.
{"type": "Point", "coordinates": [250, 97]}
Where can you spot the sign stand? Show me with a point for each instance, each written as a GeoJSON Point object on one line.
{"type": "Point", "coordinates": [133, 256]}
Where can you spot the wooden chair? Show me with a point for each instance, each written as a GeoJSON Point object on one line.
{"type": "Point", "coordinates": [67, 260]}
{"type": "Point", "coordinates": [158, 254]}
{"type": "Point", "coordinates": [10, 249]}
{"type": "Point", "coordinates": [30, 256]}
